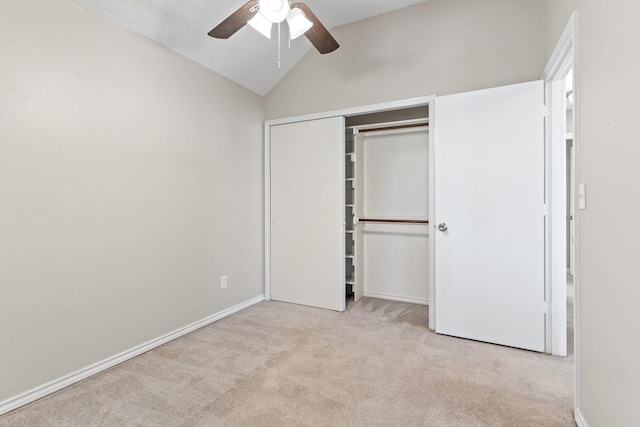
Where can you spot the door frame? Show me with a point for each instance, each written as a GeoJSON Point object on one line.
{"type": "Point", "coordinates": [353, 111]}
{"type": "Point", "coordinates": [562, 59]}
{"type": "Point", "coordinates": [561, 62]}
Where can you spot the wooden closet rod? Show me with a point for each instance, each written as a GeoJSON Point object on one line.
{"type": "Point", "coordinates": [394, 127]}
{"type": "Point", "coordinates": [405, 221]}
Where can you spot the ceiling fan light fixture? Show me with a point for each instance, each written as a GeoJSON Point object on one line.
{"type": "Point", "coordinates": [261, 24]}
{"type": "Point", "coordinates": [298, 23]}
{"type": "Point", "coordinates": [260, 15]}
{"type": "Point", "coordinates": [274, 10]}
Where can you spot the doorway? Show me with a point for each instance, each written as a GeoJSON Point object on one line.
{"type": "Point", "coordinates": [386, 208]}
{"type": "Point", "coordinates": [571, 208]}
{"type": "Point", "coordinates": [562, 218]}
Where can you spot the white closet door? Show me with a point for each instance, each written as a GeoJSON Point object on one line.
{"type": "Point", "coordinates": [307, 213]}
{"type": "Point", "coordinates": [489, 191]}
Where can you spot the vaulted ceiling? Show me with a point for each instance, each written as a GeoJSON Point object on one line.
{"type": "Point", "coordinates": [247, 58]}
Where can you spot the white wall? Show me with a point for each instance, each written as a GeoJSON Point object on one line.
{"type": "Point", "coordinates": [437, 47]}
{"type": "Point", "coordinates": [396, 185]}
{"type": "Point", "coordinates": [130, 180]}
{"type": "Point", "coordinates": [608, 131]}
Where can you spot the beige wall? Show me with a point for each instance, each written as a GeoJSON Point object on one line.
{"type": "Point", "coordinates": [130, 180]}
{"type": "Point", "coordinates": [608, 66]}
{"type": "Point", "coordinates": [556, 15]}
{"type": "Point", "coordinates": [437, 47]}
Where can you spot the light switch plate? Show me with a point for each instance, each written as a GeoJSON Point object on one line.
{"type": "Point", "coordinates": [582, 196]}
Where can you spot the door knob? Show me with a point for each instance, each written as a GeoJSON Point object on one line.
{"type": "Point", "coordinates": [442, 227]}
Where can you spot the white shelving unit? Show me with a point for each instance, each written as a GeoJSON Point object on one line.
{"type": "Point", "coordinates": [353, 209]}
{"type": "Point", "coordinates": [350, 213]}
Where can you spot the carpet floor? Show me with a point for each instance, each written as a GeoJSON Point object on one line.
{"type": "Point", "coordinates": [278, 364]}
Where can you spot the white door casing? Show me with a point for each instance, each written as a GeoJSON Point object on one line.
{"type": "Point", "coordinates": [307, 226]}
{"type": "Point", "coordinates": [358, 289]}
{"type": "Point", "coordinates": [489, 191]}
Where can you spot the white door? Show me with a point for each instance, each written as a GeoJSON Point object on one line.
{"type": "Point", "coordinates": [307, 213]}
{"type": "Point", "coordinates": [489, 216]}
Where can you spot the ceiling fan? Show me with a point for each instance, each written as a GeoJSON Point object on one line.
{"type": "Point", "coordinates": [262, 14]}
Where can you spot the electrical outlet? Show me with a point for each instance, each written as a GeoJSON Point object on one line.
{"type": "Point", "coordinates": [223, 282]}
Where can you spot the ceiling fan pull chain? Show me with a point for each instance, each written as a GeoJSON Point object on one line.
{"type": "Point", "coordinates": [289, 28]}
{"type": "Point", "coordinates": [279, 45]}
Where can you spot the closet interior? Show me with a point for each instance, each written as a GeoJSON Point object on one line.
{"type": "Point", "coordinates": [387, 205]}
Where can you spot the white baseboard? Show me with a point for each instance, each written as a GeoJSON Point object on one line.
{"type": "Point", "coordinates": [580, 419]}
{"type": "Point", "coordinates": [55, 385]}
{"type": "Point", "coordinates": [397, 298]}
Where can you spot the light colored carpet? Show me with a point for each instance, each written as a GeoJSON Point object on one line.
{"type": "Point", "coordinates": [278, 364]}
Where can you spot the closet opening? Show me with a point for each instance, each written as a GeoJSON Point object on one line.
{"type": "Point", "coordinates": [347, 205]}
{"type": "Point", "coordinates": [387, 205]}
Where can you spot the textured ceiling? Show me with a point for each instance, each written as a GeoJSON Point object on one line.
{"type": "Point", "coordinates": [247, 58]}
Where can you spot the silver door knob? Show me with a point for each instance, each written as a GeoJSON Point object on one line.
{"type": "Point", "coordinates": [442, 226]}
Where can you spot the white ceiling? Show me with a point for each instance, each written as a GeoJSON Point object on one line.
{"type": "Point", "coordinates": [247, 57]}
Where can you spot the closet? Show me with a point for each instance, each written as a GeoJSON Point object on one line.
{"type": "Point", "coordinates": [386, 207]}
{"type": "Point", "coordinates": [347, 208]}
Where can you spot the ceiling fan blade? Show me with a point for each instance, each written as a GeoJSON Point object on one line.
{"type": "Point", "coordinates": [318, 35]}
{"type": "Point", "coordinates": [235, 21]}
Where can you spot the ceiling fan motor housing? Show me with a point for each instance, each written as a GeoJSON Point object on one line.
{"type": "Point", "coordinates": [274, 10]}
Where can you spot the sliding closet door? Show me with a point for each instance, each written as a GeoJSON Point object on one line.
{"type": "Point", "coordinates": [489, 224]}
{"type": "Point", "coordinates": [307, 213]}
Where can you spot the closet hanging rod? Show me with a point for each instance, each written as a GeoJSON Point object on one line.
{"type": "Point", "coordinates": [402, 221]}
{"type": "Point", "coordinates": [394, 127]}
